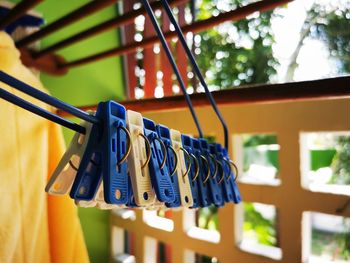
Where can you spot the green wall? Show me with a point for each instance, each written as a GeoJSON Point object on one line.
{"type": "Point", "coordinates": [90, 83]}
{"type": "Point", "coordinates": [86, 85]}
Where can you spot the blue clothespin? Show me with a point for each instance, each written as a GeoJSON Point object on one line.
{"type": "Point", "coordinates": [230, 180]}
{"type": "Point", "coordinates": [159, 172]}
{"type": "Point", "coordinates": [227, 189]}
{"type": "Point", "coordinates": [204, 174]}
{"type": "Point", "coordinates": [219, 174]}
{"type": "Point", "coordinates": [164, 134]}
{"type": "Point", "coordinates": [214, 188]}
{"type": "Point", "coordinates": [105, 157]}
{"type": "Point", "coordinates": [194, 173]}
{"type": "Point", "coordinates": [24, 21]}
{"type": "Point", "coordinates": [116, 136]}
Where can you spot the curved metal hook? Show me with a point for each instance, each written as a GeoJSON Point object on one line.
{"type": "Point", "coordinates": [148, 149]}
{"type": "Point", "coordinates": [232, 164]}
{"type": "Point", "coordinates": [188, 158]}
{"type": "Point", "coordinates": [223, 172]}
{"type": "Point", "coordinates": [176, 160]}
{"type": "Point", "coordinates": [212, 157]}
{"type": "Point", "coordinates": [128, 150]}
{"type": "Point", "coordinates": [163, 149]}
{"type": "Point", "coordinates": [208, 173]}
{"type": "Point", "coordinates": [197, 167]}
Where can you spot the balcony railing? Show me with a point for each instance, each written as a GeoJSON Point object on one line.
{"type": "Point", "coordinates": [291, 200]}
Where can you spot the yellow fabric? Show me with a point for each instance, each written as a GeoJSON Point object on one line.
{"type": "Point", "coordinates": [34, 227]}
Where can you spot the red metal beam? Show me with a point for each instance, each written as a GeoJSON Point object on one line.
{"type": "Point", "coordinates": [234, 15]}
{"type": "Point", "coordinates": [115, 22]}
{"type": "Point", "coordinates": [149, 62]}
{"type": "Point", "coordinates": [181, 58]}
{"type": "Point", "coordinates": [270, 93]}
{"type": "Point", "coordinates": [164, 62]}
{"type": "Point", "coordinates": [66, 20]}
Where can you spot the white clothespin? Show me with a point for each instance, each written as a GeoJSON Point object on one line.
{"type": "Point", "coordinates": [63, 177]}
{"type": "Point", "coordinates": [182, 170]}
{"type": "Point", "coordinates": [98, 201]}
{"type": "Point", "coordinates": [137, 161]}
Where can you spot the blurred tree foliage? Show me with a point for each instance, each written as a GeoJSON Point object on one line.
{"type": "Point", "coordinates": [252, 155]}
{"type": "Point", "coordinates": [208, 218]}
{"type": "Point", "coordinates": [330, 23]}
{"type": "Point", "coordinates": [235, 53]}
{"type": "Point", "coordinates": [341, 162]}
{"type": "Point", "coordinates": [335, 245]}
{"type": "Point", "coordinates": [256, 140]}
{"type": "Point", "coordinates": [264, 229]}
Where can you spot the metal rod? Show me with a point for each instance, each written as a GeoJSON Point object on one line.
{"type": "Point", "coordinates": [66, 20]}
{"type": "Point", "coordinates": [233, 15]}
{"type": "Point", "coordinates": [98, 29]}
{"type": "Point", "coordinates": [323, 89]}
{"type": "Point", "coordinates": [19, 10]}
{"type": "Point", "coordinates": [173, 64]}
{"type": "Point", "coordinates": [197, 70]}
{"type": "Point", "coordinates": [41, 112]}
{"type": "Point", "coordinates": [25, 88]}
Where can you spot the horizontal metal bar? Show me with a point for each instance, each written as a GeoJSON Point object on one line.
{"type": "Point", "coordinates": [100, 28]}
{"type": "Point", "coordinates": [233, 15]}
{"type": "Point", "coordinates": [39, 111]}
{"type": "Point", "coordinates": [79, 13]}
{"type": "Point", "coordinates": [331, 88]}
{"type": "Point", "coordinates": [25, 88]}
{"type": "Point", "coordinates": [16, 12]}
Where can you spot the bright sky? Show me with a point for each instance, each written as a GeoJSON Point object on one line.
{"type": "Point", "coordinates": [313, 58]}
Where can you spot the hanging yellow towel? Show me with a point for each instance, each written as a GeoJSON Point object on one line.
{"type": "Point", "coordinates": [34, 227]}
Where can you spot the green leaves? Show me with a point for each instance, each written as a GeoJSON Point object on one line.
{"type": "Point", "coordinates": [264, 229]}
{"type": "Point", "coordinates": [235, 54]}
{"type": "Point", "coordinates": [330, 24]}
{"type": "Point", "coordinates": [341, 162]}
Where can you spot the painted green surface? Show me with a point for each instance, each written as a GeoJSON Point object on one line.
{"type": "Point", "coordinates": [86, 85]}
{"type": "Point", "coordinates": [90, 83]}
{"type": "Point", "coordinates": [95, 224]}
{"type": "Point", "coordinates": [322, 158]}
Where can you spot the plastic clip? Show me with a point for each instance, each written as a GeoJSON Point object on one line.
{"type": "Point", "coordinates": [230, 180]}
{"type": "Point", "coordinates": [204, 174]}
{"type": "Point", "coordinates": [116, 147]}
{"type": "Point", "coordinates": [220, 171]}
{"type": "Point", "coordinates": [182, 169]}
{"type": "Point", "coordinates": [171, 163]}
{"type": "Point", "coordinates": [104, 155]}
{"type": "Point", "coordinates": [215, 190]}
{"type": "Point", "coordinates": [138, 159]}
{"type": "Point", "coordinates": [159, 172]}
{"type": "Point", "coordinates": [194, 171]}
{"type": "Point", "coordinates": [63, 177]}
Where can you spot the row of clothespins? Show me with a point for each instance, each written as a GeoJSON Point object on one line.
{"type": "Point", "coordinates": [118, 158]}
{"type": "Point", "coordinates": [126, 160]}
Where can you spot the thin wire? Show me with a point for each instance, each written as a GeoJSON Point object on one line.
{"type": "Point", "coordinates": [25, 88]}
{"type": "Point", "coordinates": [39, 111]}
{"type": "Point", "coordinates": [173, 64]}
{"type": "Point", "coordinates": [196, 69]}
